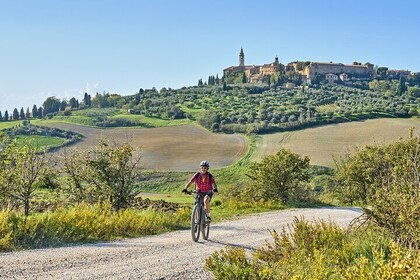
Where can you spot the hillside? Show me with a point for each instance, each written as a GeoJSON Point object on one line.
{"type": "Point", "coordinates": [176, 148]}
{"type": "Point", "coordinates": [321, 144]}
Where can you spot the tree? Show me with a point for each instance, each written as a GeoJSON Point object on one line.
{"type": "Point", "coordinates": [34, 111]}
{"type": "Point", "coordinates": [22, 114]}
{"type": "Point", "coordinates": [276, 176]}
{"type": "Point", "coordinates": [40, 112]}
{"type": "Point", "coordinates": [113, 169]}
{"type": "Point", "coordinates": [386, 179]}
{"type": "Point", "coordinates": [6, 116]}
{"type": "Point", "coordinates": [15, 114]}
{"type": "Point", "coordinates": [27, 114]}
{"type": "Point", "coordinates": [87, 100]}
{"type": "Point", "coordinates": [200, 82]}
{"type": "Point", "coordinates": [243, 78]}
{"type": "Point", "coordinates": [51, 105]}
{"type": "Point", "coordinates": [63, 105]}
{"type": "Point", "coordinates": [73, 166]}
{"type": "Point", "coordinates": [73, 103]}
{"type": "Point", "coordinates": [1, 117]}
{"type": "Point", "coordinates": [402, 88]}
{"type": "Point", "coordinates": [24, 169]}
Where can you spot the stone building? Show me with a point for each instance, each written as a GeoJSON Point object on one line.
{"type": "Point", "coordinates": [313, 69]}
{"type": "Point", "coordinates": [254, 73]}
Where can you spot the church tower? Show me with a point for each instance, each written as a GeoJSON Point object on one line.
{"type": "Point", "coordinates": [241, 58]}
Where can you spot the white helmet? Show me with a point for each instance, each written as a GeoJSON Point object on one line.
{"type": "Point", "coordinates": [205, 163]}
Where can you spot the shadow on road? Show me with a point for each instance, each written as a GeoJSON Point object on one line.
{"type": "Point", "coordinates": [231, 244]}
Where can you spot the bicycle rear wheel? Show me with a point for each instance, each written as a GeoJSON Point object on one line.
{"type": "Point", "coordinates": [195, 223]}
{"type": "Point", "coordinates": [205, 226]}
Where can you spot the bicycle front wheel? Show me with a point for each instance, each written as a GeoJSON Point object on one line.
{"type": "Point", "coordinates": [205, 227]}
{"type": "Point", "coordinates": [195, 223]}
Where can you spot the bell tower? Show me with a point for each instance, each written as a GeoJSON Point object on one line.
{"type": "Point", "coordinates": [241, 58]}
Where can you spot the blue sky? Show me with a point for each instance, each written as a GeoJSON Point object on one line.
{"type": "Point", "coordinates": [64, 48]}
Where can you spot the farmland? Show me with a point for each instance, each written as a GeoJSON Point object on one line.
{"type": "Point", "coordinates": [177, 148]}
{"type": "Point", "coordinates": [321, 144]}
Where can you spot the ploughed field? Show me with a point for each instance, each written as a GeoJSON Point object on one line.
{"type": "Point", "coordinates": [324, 143]}
{"type": "Point", "coordinates": [176, 148]}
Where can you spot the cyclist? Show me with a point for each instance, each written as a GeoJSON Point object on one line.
{"type": "Point", "coordinates": [204, 183]}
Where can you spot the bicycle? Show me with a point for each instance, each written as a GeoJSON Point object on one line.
{"type": "Point", "coordinates": [199, 220]}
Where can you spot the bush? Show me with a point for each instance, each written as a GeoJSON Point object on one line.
{"type": "Point", "coordinates": [387, 180]}
{"type": "Point", "coordinates": [276, 176]}
{"type": "Point", "coordinates": [318, 250]}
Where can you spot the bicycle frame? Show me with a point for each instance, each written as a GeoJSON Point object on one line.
{"type": "Point", "coordinates": [198, 218]}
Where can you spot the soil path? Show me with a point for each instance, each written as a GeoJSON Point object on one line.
{"type": "Point", "coordinates": [167, 256]}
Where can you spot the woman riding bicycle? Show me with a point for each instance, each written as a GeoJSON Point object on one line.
{"type": "Point", "coordinates": [205, 183]}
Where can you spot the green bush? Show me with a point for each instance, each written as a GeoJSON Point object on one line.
{"type": "Point", "coordinates": [318, 250]}
{"type": "Point", "coordinates": [386, 179]}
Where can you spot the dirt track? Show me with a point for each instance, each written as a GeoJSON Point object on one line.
{"type": "Point", "coordinates": [166, 256]}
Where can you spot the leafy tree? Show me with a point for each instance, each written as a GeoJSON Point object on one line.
{"type": "Point", "coordinates": [51, 105]}
{"type": "Point", "coordinates": [208, 118]}
{"type": "Point", "coordinates": [24, 169]}
{"type": "Point", "coordinates": [382, 72]}
{"type": "Point", "coordinates": [200, 82]}
{"type": "Point", "coordinates": [276, 176]}
{"type": "Point", "coordinates": [63, 105]}
{"type": "Point", "coordinates": [113, 169]}
{"type": "Point", "coordinates": [73, 166]}
{"type": "Point", "coordinates": [73, 103]}
{"type": "Point", "coordinates": [386, 179]}
{"type": "Point", "coordinates": [87, 100]}
{"type": "Point", "coordinates": [414, 91]}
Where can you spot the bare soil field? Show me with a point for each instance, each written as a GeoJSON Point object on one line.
{"type": "Point", "coordinates": [176, 148]}
{"type": "Point", "coordinates": [321, 144]}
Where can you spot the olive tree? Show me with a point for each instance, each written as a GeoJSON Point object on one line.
{"type": "Point", "coordinates": [112, 170]}
{"type": "Point", "coordinates": [23, 170]}
{"type": "Point", "coordinates": [276, 176]}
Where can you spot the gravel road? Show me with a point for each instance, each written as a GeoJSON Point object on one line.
{"type": "Point", "coordinates": [167, 256]}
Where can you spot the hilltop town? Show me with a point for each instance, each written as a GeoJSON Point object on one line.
{"type": "Point", "coordinates": [306, 72]}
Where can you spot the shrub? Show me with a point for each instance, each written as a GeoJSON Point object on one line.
{"type": "Point", "coordinates": [387, 180]}
{"type": "Point", "coordinates": [276, 176]}
{"type": "Point", "coordinates": [319, 250]}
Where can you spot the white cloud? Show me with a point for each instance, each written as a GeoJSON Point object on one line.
{"type": "Point", "coordinates": [92, 89]}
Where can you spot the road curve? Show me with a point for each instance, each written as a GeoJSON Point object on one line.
{"type": "Point", "coordinates": [166, 256]}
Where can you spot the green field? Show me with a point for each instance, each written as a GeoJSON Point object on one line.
{"type": "Point", "coordinates": [4, 125]}
{"type": "Point", "coordinates": [324, 143]}
{"type": "Point", "coordinates": [40, 142]}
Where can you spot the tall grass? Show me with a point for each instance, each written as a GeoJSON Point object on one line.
{"type": "Point", "coordinates": [83, 223]}
{"type": "Point", "coordinates": [318, 251]}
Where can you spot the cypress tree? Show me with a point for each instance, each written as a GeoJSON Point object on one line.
{"type": "Point", "coordinates": [1, 117]}
{"type": "Point", "coordinates": [34, 111]}
{"type": "Point", "coordinates": [22, 114]}
{"type": "Point", "coordinates": [6, 116]}
{"type": "Point", "coordinates": [28, 114]}
{"type": "Point", "coordinates": [15, 114]}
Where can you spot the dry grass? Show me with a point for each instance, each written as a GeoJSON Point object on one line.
{"type": "Point", "coordinates": [322, 143]}
{"type": "Point", "coordinates": [177, 148]}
